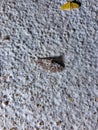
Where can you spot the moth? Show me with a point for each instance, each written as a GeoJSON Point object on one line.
{"type": "Point", "coordinates": [53, 64]}
{"type": "Point", "coordinates": [71, 5]}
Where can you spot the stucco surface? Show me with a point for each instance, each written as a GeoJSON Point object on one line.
{"type": "Point", "coordinates": [32, 98]}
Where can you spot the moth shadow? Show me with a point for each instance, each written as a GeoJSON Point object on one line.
{"type": "Point", "coordinates": [55, 59]}
{"type": "Point", "coordinates": [77, 2]}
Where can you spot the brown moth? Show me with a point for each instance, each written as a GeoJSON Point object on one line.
{"type": "Point", "coordinates": [53, 64]}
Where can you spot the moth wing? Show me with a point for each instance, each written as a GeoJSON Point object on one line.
{"type": "Point", "coordinates": [66, 6]}
{"type": "Point", "coordinates": [74, 5]}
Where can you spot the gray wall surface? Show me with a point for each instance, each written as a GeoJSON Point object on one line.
{"type": "Point", "coordinates": [34, 98]}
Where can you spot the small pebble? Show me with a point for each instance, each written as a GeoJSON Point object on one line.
{"type": "Point", "coordinates": [59, 122]}
{"type": "Point", "coordinates": [41, 123]}
{"type": "Point", "coordinates": [71, 99]}
{"type": "Point", "coordinates": [5, 103]}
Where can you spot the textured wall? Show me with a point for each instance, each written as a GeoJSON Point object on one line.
{"type": "Point", "coordinates": [32, 98]}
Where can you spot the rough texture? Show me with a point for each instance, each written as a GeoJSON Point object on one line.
{"type": "Point", "coordinates": [32, 98]}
